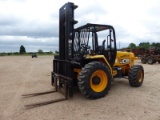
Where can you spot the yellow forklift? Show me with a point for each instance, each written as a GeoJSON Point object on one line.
{"type": "Point", "coordinates": [88, 58]}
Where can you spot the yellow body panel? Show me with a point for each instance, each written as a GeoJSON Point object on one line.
{"type": "Point", "coordinates": [114, 72]}
{"type": "Point", "coordinates": [99, 58]}
{"type": "Point", "coordinates": [123, 59]}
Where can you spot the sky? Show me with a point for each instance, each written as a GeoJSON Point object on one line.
{"type": "Point", "coordinates": [35, 23]}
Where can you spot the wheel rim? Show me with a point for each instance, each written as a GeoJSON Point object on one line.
{"type": "Point", "coordinates": [140, 76]}
{"type": "Point", "coordinates": [150, 60]}
{"type": "Point", "coordinates": [103, 81]}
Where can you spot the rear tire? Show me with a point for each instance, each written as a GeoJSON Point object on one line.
{"type": "Point", "coordinates": [150, 61]}
{"type": "Point", "coordinates": [136, 76]}
{"type": "Point", "coordinates": [143, 60]}
{"type": "Point", "coordinates": [94, 80]}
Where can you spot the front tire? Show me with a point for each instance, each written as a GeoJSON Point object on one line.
{"type": "Point", "coordinates": [136, 76]}
{"type": "Point", "coordinates": [143, 60]}
{"type": "Point", "coordinates": [94, 80]}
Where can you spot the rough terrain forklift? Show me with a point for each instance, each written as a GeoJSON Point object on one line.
{"type": "Point", "coordinates": [88, 57]}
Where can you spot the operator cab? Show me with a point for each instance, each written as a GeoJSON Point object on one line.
{"type": "Point", "coordinates": [87, 42]}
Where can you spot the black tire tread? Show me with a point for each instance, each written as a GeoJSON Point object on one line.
{"type": "Point", "coordinates": [150, 61]}
{"type": "Point", "coordinates": [143, 60]}
{"type": "Point", "coordinates": [133, 75]}
{"type": "Point", "coordinates": [84, 78]}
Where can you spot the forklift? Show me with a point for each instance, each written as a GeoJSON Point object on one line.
{"type": "Point", "coordinates": [88, 58]}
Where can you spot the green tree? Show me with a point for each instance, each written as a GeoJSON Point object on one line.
{"type": "Point", "coordinates": [50, 52]}
{"type": "Point", "coordinates": [157, 45]}
{"type": "Point", "coordinates": [22, 49]}
{"type": "Point", "coordinates": [56, 52]}
{"type": "Point", "coordinates": [40, 51]}
{"type": "Point", "coordinates": [132, 46]}
{"type": "Point", "coordinates": [145, 45]}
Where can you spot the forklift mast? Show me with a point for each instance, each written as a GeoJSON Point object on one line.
{"type": "Point", "coordinates": [62, 70]}
{"type": "Point", "coordinates": [66, 30]}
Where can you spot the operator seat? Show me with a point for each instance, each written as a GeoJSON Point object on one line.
{"type": "Point", "coordinates": [102, 47]}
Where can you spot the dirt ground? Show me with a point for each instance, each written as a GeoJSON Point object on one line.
{"type": "Point", "coordinates": [21, 75]}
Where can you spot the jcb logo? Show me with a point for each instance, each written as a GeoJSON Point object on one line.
{"type": "Point", "coordinates": [123, 61]}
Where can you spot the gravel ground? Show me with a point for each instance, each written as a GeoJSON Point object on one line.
{"type": "Point", "coordinates": [22, 74]}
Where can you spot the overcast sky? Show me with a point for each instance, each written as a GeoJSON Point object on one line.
{"type": "Point", "coordinates": [35, 23]}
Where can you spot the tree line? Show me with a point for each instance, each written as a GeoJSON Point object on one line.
{"type": "Point", "coordinates": [22, 51]}
{"type": "Point", "coordinates": [145, 45]}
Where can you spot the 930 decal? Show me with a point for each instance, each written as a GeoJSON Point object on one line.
{"type": "Point", "coordinates": [123, 61]}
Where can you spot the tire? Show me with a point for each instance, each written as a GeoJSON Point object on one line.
{"type": "Point", "coordinates": [94, 80]}
{"type": "Point", "coordinates": [143, 60]}
{"type": "Point", "coordinates": [136, 75]}
{"type": "Point", "coordinates": [150, 61]}
{"type": "Point", "coordinates": [159, 61]}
